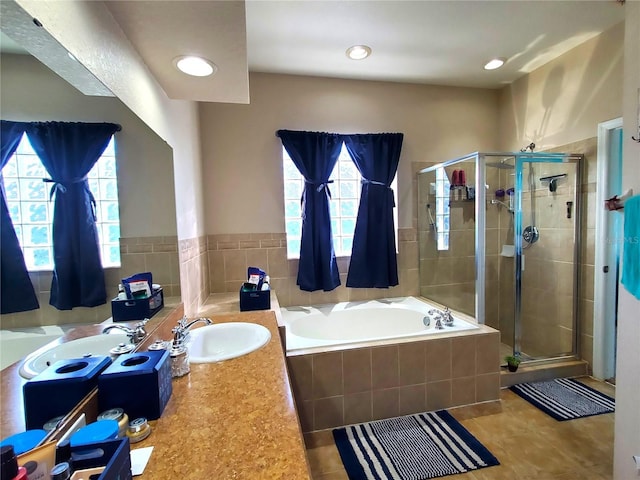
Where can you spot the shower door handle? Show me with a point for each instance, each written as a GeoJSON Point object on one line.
{"type": "Point", "coordinates": [605, 269]}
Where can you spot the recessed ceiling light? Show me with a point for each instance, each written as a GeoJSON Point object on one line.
{"type": "Point", "coordinates": [196, 66]}
{"type": "Point", "coordinates": [358, 52]}
{"type": "Point", "coordinates": [495, 63]}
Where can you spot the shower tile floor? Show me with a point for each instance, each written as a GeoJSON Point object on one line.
{"type": "Point", "coordinates": [528, 443]}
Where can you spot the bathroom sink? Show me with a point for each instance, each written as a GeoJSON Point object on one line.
{"type": "Point", "coordinates": [39, 360]}
{"type": "Point", "coordinates": [223, 341]}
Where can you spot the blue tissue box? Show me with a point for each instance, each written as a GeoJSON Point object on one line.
{"type": "Point", "coordinates": [58, 389]}
{"type": "Point", "coordinates": [137, 308]}
{"type": "Point", "coordinates": [255, 300]}
{"type": "Point", "coordinates": [114, 455]}
{"type": "Point", "coordinates": [140, 383]}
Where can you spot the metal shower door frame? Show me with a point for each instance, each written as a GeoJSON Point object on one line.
{"type": "Point", "coordinates": [532, 158]}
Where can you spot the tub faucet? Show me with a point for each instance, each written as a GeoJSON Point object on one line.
{"type": "Point", "coordinates": [136, 334]}
{"type": "Point", "coordinates": [181, 331]}
{"type": "Point", "coordinates": [447, 317]}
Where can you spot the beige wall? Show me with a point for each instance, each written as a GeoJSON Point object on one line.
{"type": "Point", "coordinates": [243, 166]}
{"type": "Point", "coordinates": [243, 158]}
{"type": "Point", "coordinates": [564, 100]}
{"type": "Point", "coordinates": [32, 92]}
{"type": "Point", "coordinates": [627, 440]}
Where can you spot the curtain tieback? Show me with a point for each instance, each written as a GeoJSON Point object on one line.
{"type": "Point", "coordinates": [364, 181]}
{"type": "Point", "coordinates": [320, 186]}
{"type": "Point", "coordinates": [62, 188]}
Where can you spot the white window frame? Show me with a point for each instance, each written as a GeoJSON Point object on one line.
{"type": "Point", "coordinates": [102, 183]}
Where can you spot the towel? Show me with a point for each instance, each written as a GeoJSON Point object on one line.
{"type": "Point", "coordinates": [631, 252]}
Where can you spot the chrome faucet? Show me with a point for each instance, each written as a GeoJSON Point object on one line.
{"type": "Point", "coordinates": [441, 316]}
{"type": "Point", "coordinates": [181, 331]}
{"type": "Point", "coordinates": [136, 334]}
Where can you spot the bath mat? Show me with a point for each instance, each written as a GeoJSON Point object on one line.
{"type": "Point", "coordinates": [565, 398]}
{"type": "Point", "coordinates": [412, 447]}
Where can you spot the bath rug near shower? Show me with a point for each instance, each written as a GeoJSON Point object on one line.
{"type": "Point", "coordinates": [416, 447]}
{"type": "Point", "coordinates": [565, 398]}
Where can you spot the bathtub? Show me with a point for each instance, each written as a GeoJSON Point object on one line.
{"type": "Point", "coordinates": [17, 343]}
{"type": "Point", "coordinates": [362, 322]}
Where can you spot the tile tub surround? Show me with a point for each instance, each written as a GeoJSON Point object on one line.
{"type": "Point", "coordinates": [340, 387]}
{"type": "Point", "coordinates": [231, 254]}
{"type": "Point", "coordinates": [158, 255]}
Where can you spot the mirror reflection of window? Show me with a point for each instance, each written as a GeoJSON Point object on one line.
{"type": "Point", "coordinates": [443, 187]}
{"type": "Point", "coordinates": [31, 209]}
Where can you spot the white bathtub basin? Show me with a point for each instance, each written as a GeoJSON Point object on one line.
{"type": "Point", "coordinates": [39, 360]}
{"type": "Point", "coordinates": [224, 341]}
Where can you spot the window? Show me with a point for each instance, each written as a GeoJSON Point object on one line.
{"type": "Point", "coordinates": [32, 212]}
{"type": "Point", "coordinates": [343, 206]}
{"type": "Point", "coordinates": [443, 196]}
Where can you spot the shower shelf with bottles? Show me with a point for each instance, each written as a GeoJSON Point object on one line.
{"type": "Point", "coordinates": [461, 195]}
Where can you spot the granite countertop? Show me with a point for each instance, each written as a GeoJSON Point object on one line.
{"type": "Point", "coordinates": [229, 420]}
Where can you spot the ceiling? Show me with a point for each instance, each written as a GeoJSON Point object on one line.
{"type": "Point", "coordinates": [417, 41]}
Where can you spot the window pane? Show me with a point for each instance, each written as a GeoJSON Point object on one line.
{"type": "Point", "coordinates": [348, 171]}
{"type": "Point", "coordinates": [10, 170]}
{"type": "Point", "coordinates": [24, 147]}
{"type": "Point", "coordinates": [108, 212]}
{"type": "Point", "coordinates": [107, 168]}
{"type": "Point", "coordinates": [36, 235]}
{"type": "Point", "coordinates": [348, 226]}
{"type": "Point", "coordinates": [11, 189]}
{"type": "Point", "coordinates": [14, 213]}
{"type": "Point", "coordinates": [293, 189]}
{"type": "Point", "coordinates": [348, 189]}
{"type": "Point", "coordinates": [333, 207]}
{"type": "Point", "coordinates": [34, 212]}
{"type": "Point", "coordinates": [291, 171]}
{"type": "Point", "coordinates": [347, 243]}
{"type": "Point", "coordinates": [293, 209]}
{"type": "Point", "coordinates": [32, 189]}
{"type": "Point", "coordinates": [37, 258]}
{"type": "Point", "coordinates": [31, 166]}
{"type": "Point", "coordinates": [348, 208]}
{"type": "Point", "coordinates": [108, 189]}
{"type": "Point", "coordinates": [335, 228]}
{"type": "Point", "coordinates": [293, 248]}
{"type": "Point", "coordinates": [110, 151]}
{"type": "Point", "coordinates": [294, 228]}
{"type": "Point", "coordinates": [111, 233]}
{"type": "Point", "coordinates": [111, 255]}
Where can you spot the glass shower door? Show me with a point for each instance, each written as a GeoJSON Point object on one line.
{"type": "Point", "coordinates": [546, 227]}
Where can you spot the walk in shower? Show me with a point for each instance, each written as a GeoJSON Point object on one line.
{"type": "Point", "coordinates": [499, 239]}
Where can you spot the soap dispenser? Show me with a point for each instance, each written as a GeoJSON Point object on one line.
{"type": "Point", "coordinates": [179, 355]}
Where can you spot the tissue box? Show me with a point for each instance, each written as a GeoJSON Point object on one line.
{"type": "Point", "coordinates": [137, 308]}
{"type": "Point", "coordinates": [139, 383]}
{"type": "Point", "coordinates": [255, 300]}
{"type": "Point", "coordinates": [114, 455]}
{"type": "Point", "coordinates": [59, 388]}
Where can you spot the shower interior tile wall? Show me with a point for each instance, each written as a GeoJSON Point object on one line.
{"type": "Point", "coordinates": [231, 254]}
{"type": "Point", "coordinates": [158, 255]}
{"type": "Point", "coordinates": [369, 383]}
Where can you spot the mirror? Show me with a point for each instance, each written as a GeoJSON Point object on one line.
{"type": "Point", "coordinates": [145, 183]}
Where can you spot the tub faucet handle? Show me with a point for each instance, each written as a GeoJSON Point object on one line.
{"type": "Point", "coordinates": [447, 317]}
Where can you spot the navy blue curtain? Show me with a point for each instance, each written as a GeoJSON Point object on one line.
{"type": "Point", "coordinates": [16, 290]}
{"type": "Point", "coordinates": [68, 151]}
{"type": "Point", "coordinates": [315, 154]}
{"type": "Point", "coordinates": [373, 255]}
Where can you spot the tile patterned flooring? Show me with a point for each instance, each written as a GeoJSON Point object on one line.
{"type": "Point", "coordinates": [528, 443]}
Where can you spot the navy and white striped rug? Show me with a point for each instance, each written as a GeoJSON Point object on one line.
{"type": "Point", "coordinates": [565, 398]}
{"type": "Point", "coordinates": [412, 447]}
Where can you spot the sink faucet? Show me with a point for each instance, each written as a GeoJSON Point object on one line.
{"type": "Point", "coordinates": [136, 334]}
{"type": "Point", "coordinates": [181, 331]}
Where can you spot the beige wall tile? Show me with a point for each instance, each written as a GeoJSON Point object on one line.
{"type": "Point", "coordinates": [412, 363]}
{"type": "Point", "coordinates": [357, 370]}
{"type": "Point", "coordinates": [463, 391]}
{"type": "Point", "coordinates": [235, 266]}
{"type": "Point", "coordinates": [488, 353]}
{"type": "Point", "coordinates": [438, 395]}
{"type": "Point", "coordinates": [413, 399]}
{"type": "Point", "coordinates": [385, 403]}
{"type": "Point", "coordinates": [328, 412]}
{"type": "Point", "coordinates": [327, 374]}
{"type": "Point", "coordinates": [384, 367]}
{"type": "Point", "coordinates": [301, 373]}
{"type": "Point", "coordinates": [488, 387]}
{"type": "Point", "coordinates": [438, 360]}
{"type": "Point", "coordinates": [357, 408]}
